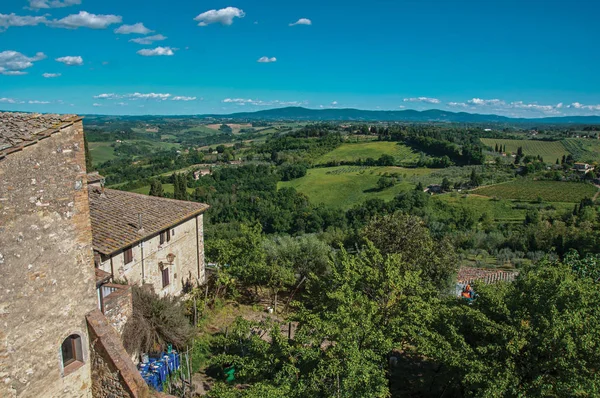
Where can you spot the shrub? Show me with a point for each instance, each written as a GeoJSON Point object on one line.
{"type": "Point", "coordinates": [155, 323]}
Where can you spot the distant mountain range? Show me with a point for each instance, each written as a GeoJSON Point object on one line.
{"type": "Point", "coordinates": [354, 115]}
{"type": "Point", "coordinates": [433, 115]}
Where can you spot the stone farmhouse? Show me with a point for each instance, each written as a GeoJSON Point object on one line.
{"type": "Point", "coordinates": [147, 240]}
{"type": "Point", "coordinates": [60, 315]}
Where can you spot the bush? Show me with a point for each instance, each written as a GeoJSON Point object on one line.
{"type": "Point", "coordinates": [155, 323]}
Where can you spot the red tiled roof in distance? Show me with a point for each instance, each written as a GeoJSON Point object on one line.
{"type": "Point", "coordinates": [115, 221]}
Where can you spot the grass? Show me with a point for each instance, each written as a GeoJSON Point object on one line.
{"type": "Point", "coordinates": [354, 151]}
{"type": "Point", "coordinates": [101, 152]}
{"type": "Point", "coordinates": [548, 150]}
{"type": "Point", "coordinates": [548, 191]}
{"type": "Point", "coordinates": [346, 186]}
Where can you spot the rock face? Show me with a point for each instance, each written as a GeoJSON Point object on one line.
{"type": "Point", "coordinates": [46, 263]}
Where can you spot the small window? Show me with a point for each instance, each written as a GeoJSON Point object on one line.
{"type": "Point", "coordinates": [71, 352]}
{"type": "Point", "coordinates": [165, 277]}
{"type": "Point", "coordinates": [165, 236]}
{"type": "Point", "coordinates": [128, 253]}
{"type": "Point", "coordinates": [173, 232]}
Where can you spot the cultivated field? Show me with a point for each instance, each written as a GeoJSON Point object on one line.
{"type": "Point", "coordinates": [502, 210]}
{"type": "Point", "coordinates": [548, 191]}
{"type": "Point", "coordinates": [101, 152]}
{"type": "Point", "coordinates": [583, 149]}
{"type": "Point", "coordinates": [549, 150]}
{"type": "Point", "coordinates": [234, 126]}
{"type": "Point", "coordinates": [346, 186]}
{"type": "Point", "coordinates": [353, 151]}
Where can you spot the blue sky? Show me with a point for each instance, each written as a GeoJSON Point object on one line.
{"type": "Point", "coordinates": [529, 58]}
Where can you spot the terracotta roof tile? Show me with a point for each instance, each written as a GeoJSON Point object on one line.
{"type": "Point", "coordinates": [18, 130]}
{"type": "Point", "coordinates": [114, 217]}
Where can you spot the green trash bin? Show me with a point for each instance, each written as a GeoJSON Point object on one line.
{"type": "Point", "coordinates": [229, 374]}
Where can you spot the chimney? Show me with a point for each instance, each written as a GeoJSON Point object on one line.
{"type": "Point", "coordinates": [140, 225]}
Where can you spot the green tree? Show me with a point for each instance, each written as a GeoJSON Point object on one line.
{"type": "Point", "coordinates": [446, 184]}
{"type": "Point", "coordinates": [88, 156]}
{"type": "Point", "coordinates": [475, 180]}
{"type": "Point", "coordinates": [156, 188]}
{"type": "Point", "coordinates": [407, 235]}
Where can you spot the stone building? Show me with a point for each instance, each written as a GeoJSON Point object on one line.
{"type": "Point", "coordinates": [146, 240]}
{"type": "Point", "coordinates": [59, 336]}
{"type": "Point", "coordinates": [46, 259]}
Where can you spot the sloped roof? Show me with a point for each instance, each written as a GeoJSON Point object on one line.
{"type": "Point", "coordinates": [115, 220]}
{"type": "Point", "coordinates": [18, 130]}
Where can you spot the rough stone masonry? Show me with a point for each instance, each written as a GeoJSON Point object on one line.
{"type": "Point", "coordinates": [46, 261]}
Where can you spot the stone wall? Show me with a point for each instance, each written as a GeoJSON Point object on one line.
{"type": "Point", "coordinates": [118, 306]}
{"type": "Point", "coordinates": [113, 373]}
{"type": "Point", "coordinates": [187, 244]}
{"type": "Point", "coordinates": [46, 266]}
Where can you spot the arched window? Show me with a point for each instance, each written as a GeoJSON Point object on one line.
{"type": "Point", "coordinates": [72, 353]}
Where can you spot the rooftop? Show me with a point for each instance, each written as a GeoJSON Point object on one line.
{"type": "Point", "coordinates": [18, 130]}
{"type": "Point", "coordinates": [115, 222]}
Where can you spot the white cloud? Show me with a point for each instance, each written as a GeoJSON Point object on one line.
{"type": "Point", "coordinates": [137, 28]}
{"type": "Point", "coordinates": [34, 102]}
{"type": "Point", "coordinates": [13, 73]}
{"type": "Point", "coordinates": [149, 39]}
{"type": "Point", "coordinates": [13, 63]}
{"type": "Point", "coordinates": [134, 96]}
{"type": "Point", "coordinates": [148, 96]}
{"type": "Point", "coordinates": [266, 60]}
{"type": "Point", "coordinates": [302, 21]}
{"type": "Point", "coordinates": [484, 102]}
{"type": "Point", "coordinates": [458, 104]}
{"type": "Point", "coordinates": [423, 99]}
{"type": "Point", "coordinates": [51, 75]}
{"type": "Point", "coordinates": [578, 105]}
{"type": "Point", "coordinates": [37, 4]}
{"type": "Point", "coordinates": [106, 96]}
{"type": "Point", "coordinates": [122, 103]}
{"type": "Point", "coordinates": [223, 16]}
{"type": "Point", "coordinates": [158, 51]}
{"type": "Point", "coordinates": [86, 20]}
{"type": "Point", "coordinates": [8, 20]}
{"type": "Point", "coordinates": [182, 98]}
{"type": "Point", "coordinates": [10, 101]}
{"type": "Point", "coordinates": [97, 105]}
{"type": "Point", "coordinates": [522, 105]}
{"type": "Point", "coordinates": [71, 60]}
{"type": "Point", "coordinates": [242, 101]}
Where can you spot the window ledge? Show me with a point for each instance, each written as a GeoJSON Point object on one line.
{"type": "Point", "coordinates": [72, 367]}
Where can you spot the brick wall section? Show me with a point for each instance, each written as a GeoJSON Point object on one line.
{"type": "Point", "coordinates": [113, 373]}
{"type": "Point", "coordinates": [118, 306]}
{"type": "Point", "coordinates": [46, 266]}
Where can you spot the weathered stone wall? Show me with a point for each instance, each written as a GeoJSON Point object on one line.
{"type": "Point", "coordinates": [113, 373]}
{"type": "Point", "coordinates": [187, 244]}
{"type": "Point", "coordinates": [118, 306]}
{"type": "Point", "coordinates": [46, 266]}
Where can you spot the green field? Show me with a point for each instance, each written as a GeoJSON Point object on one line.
{"type": "Point", "coordinates": [548, 191]}
{"type": "Point", "coordinates": [548, 150]}
{"type": "Point", "coordinates": [584, 149]}
{"type": "Point", "coordinates": [166, 188]}
{"type": "Point", "coordinates": [101, 152]}
{"type": "Point", "coordinates": [500, 210]}
{"type": "Point", "coordinates": [346, 186]}
{"type": "Point", "coordinates": [374, 149]}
